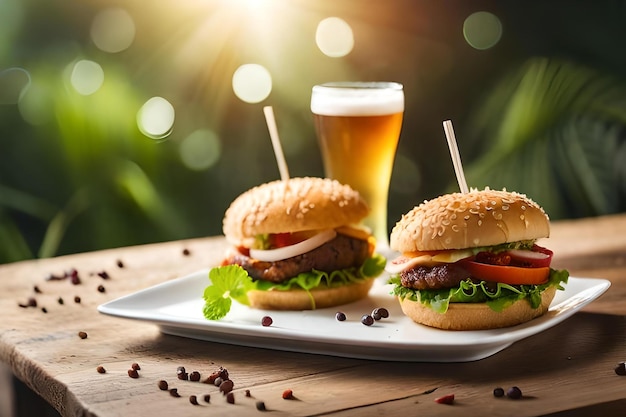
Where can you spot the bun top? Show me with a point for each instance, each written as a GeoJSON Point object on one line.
{"type": "Point", "coordinates": [295, 205]}
{"type": "Point", "coordinates": [474, 219]}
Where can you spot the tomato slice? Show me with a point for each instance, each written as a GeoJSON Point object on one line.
{"type": "Point", "coordinates": [512, 275]}
{"type": "Point", "coordinates": [280, 240]}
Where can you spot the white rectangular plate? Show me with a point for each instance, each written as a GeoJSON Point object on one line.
{"type": "Point", "coordinates": [176, 307]}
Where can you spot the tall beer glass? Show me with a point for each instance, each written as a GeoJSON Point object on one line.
{"type": "Point", "coordinates": [358, 126]}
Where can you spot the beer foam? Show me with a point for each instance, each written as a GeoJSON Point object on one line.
{"type": "Point", "coordinates": [357, 99]}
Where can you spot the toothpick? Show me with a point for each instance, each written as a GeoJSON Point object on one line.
{"type": "Point", "coordinates": [278, 150]}
{"type": "Point", "coordinates": [456, 157]}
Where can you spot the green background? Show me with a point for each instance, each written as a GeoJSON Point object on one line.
{"type": "Point", "coordinates": [543, 112]}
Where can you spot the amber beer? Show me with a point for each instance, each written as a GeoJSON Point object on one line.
{"type": "Point", "coordinates": [358, 126]}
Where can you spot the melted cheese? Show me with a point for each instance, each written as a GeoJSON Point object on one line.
{"type": "Point", "coordinates": [356, 232]}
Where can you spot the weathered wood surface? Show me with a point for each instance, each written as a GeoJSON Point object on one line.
{"type": "Point", "coordinates": [569, 368]}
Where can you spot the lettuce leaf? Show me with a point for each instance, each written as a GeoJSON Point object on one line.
{"type": "Point", "coordinates": [372, 267]}
{"type": "Point", "coordinates": [497, 297]}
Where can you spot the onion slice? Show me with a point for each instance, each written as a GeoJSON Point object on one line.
{"type": "Point", "coordinates": [528, 254]}
{"type": "Point", "coordinates": [278, 254]}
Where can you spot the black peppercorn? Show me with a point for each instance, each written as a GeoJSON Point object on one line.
{"type": "Point", "coordinates": [514, 393]}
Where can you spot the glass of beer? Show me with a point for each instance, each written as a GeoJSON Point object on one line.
{"type": "Point", "coordinates": [358, 126]}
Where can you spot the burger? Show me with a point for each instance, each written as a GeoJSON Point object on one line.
{"type": "Point", "coordinates": [470, 261]}
{"type": "Point", "coordinates": [301, 244]}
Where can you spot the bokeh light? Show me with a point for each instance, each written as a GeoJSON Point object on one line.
{"type": "Point", "coordinates": [482, 30]}
{"type": "Point", "coordinates": [155, 119]}
{"type": "Point", "coordinates": [113, 30]}
{"type": "Point", "coordinates": [200, 150]}
{"type": "Point", "coordinates": [252, 83]}
{"type": "Point", "coordinates": [86, 77]}
{"type": "Point", "coordinates": [334, 37]}
{"type": "Point", "coordinates": [35, 104]}
{"type": "Point", "coordinates": [13, 82]}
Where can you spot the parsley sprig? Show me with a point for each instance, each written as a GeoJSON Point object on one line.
{"type": "Point", "coordinates": [229, 283]}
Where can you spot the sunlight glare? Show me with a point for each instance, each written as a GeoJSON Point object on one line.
{"type": "Point", "coordinates": [252, 83]}
{"type": "Point", "coordinates": [334, 37]}
{"type": "Point", "coordinates": [482, 30]}
{"type": "Point", "coordinates": [87, 77]}
{"type": "Point", "coordinates": [155, 119]}
{"type": "Point", "coordinates": [113, 30]}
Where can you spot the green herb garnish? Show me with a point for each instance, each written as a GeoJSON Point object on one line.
{"type": "Point", "coordinates": [229, 283]}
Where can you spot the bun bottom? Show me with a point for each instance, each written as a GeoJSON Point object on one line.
{"type": "Point", "coordinates": [301, 300]}
{"type": "Point", "coordinates": [476, 316]}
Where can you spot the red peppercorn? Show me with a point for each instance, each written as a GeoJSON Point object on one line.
{"type": "Point", "coordinates": [287, 394]}
{"type": "Point", "coordinates": [446, 399]}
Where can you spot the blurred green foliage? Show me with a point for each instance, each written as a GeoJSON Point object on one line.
{"type": "Point", "coordinates": [543, 112]}
{"type": "Point", "coordinates": [557, 129]}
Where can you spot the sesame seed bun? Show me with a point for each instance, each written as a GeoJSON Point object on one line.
{"type": "Point", "coordinates": [468, 220]}
{"type": "Point", "coordinates": [295, 205]}
{"type": "Point", "coordinates": [476, 316]}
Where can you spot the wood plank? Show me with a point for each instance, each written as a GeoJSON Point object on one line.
{"type": "Point", "coordinates": [564, 365]}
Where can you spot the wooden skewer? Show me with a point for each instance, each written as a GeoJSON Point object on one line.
{"type": "Point", "coordinates": [456, 157]}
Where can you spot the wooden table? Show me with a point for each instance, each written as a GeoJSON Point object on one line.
{"type": "Point", "coordinates": [566, 370]}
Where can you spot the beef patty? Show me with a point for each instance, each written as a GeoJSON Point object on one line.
{"type": "Point", "coordinates": [433, 278]}
{"type": "Point", "coordinates": [339, 253]}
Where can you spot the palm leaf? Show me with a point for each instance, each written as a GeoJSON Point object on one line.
{"type": "Point", "coordinates": [554, 130]}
